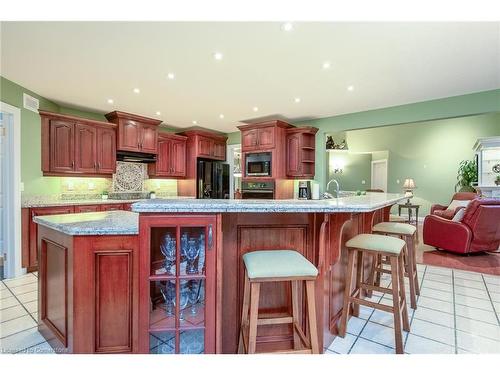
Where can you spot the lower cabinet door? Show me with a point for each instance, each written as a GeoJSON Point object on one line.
{"type": "Point", "coordinates": [111, 207]}
{"type": "Point", "coordinates": [180, 280]}
{"type": "Point", "coordinates": [87, 208]}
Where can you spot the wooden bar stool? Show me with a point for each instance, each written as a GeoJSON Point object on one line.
{"type": "Point", "coordinates": [407, 233]}
{"type": "Point", "coordinates": [375, 245]}
{"type": "Point", "coordinates": [270, 266]}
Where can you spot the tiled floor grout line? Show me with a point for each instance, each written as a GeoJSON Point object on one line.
{"type": "Point", "coordinates": [491, 301]}
{"type": "Point", "coordinates": [418, 297]}
{"type": "Point", "coordinates": [454, 313]}
{"type": "Point", "coordinates": [21, 303]}
{"type": "Point", "coordinates": [361, 330]}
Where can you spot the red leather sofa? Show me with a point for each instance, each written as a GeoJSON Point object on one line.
{"type": "Point", "coordinates": [479, 229]}
{"type": "Point", "coordinates": [440, 210]}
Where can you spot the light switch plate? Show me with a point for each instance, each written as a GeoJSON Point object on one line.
{"type": "Point", "coordinates": [21, 186]}
{"type": "Point", "coordinates": [397, 181]}
{"type": "Point", "coordinates": [363, 182]}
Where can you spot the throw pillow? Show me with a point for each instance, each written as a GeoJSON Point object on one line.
{"type": "Point", "coordinates": [459, 215]}
{"type": "Point", "coordinates": [455, 203]}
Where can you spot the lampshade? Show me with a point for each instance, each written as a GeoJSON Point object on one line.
{"type": "Point", "coordinates": [409, 183]}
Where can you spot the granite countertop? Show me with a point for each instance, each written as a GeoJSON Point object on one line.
{"type": "Point", "coordinates": [92, 223]}
{"type": "Point", "coordinates": [363, 203]}
{"type": "Point", "coordinates": [53, 202]}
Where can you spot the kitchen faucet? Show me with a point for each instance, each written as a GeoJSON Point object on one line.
{"type": "Point", "coordinates": [326, 194]}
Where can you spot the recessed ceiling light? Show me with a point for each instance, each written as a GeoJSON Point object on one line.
{"type": "Point", "coordinates": [288, 26]}
{"type": "Point", "coordinates": [218, 56]}
{"type": "Point", "coordinates": [221, 116]}
{"type": "Point", "coordinates": [137, 91]}
{"type": "Point", "coordinates": [297, 100]}
{"type": "Point", "coordinates": [170, 75]}
{"type": "Point", "coordinates": [110, 101]}
{"type": "Point", "coordinates": [255, 109]}
{"type": "Point", "coordinates": [158, 113]}
{"type": "Point", "coordinates": [195, 122]}
{"type": "Point", "coordinates": [350, 88]}
{"type": "Point", "coordinates": [326, 65]}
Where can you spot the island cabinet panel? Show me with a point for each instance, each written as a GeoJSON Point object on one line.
{"type": "Point", "coordinates": [54, 291]}
{"type": "Point", "coordinates": [113, 300]}
{"type": "Point", "coordinates": [88, 292]}
{"type": "Point", "coordinates": [178, 263]}
{"type": "Point", "coordinates": [87, 208]}
{"type": "Point", "coordinates": [135, 133]}
{"type": "Point", "coordinates": [77, 146]}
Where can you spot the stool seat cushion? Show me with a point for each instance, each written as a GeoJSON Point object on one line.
{"type": "Point", "coordinates": [394, 228]}
{"type": "Point", "coordinates": [277, 263]}
{"type": "Point", "coordinates": [377, 242]}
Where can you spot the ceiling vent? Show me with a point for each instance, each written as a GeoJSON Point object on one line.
{"type": "Point", "coordinates": [30, 103]}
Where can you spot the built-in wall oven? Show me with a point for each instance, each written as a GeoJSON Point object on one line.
{"type": "Point", "coordinates": [257, 189]}
{"type": "Point", "coordinates": [258, 164]}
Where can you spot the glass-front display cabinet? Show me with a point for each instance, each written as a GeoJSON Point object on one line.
{"type": "Point", "coordinates": [181, 283]}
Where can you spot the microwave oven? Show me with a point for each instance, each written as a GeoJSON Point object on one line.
{"type": "Point", "coordinates": [258, 164]}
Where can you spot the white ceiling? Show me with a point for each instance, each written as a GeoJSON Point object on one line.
{"type": "Point", "coordinates": [84, 64]}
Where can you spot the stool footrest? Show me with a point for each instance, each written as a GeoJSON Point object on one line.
{"type": "Point", "coordinates": [375, 305]}
{"type": "Point", "coordinates": [268, 321]}
{"type": "Point", "coordinates": [375, 287]}
{"type": "Point", "coordinates": [291, 351]}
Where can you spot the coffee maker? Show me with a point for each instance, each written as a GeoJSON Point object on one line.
{"type": "Point", "coordinates": [304, 190]}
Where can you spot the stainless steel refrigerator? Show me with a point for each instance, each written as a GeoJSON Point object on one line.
{"type": "Point", "coordinates": [213, 179]}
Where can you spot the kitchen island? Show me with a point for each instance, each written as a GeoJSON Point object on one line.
{"type": "Point", "coordinates": [177, 284]}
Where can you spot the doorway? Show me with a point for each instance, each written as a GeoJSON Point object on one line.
{"type": "Point", "coordinates": [379, 174]}
{"type": "Point", "coordinates": [10, 195]}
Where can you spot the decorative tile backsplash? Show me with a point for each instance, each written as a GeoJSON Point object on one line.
{"type": "Point", "coordinates": [129, 177]}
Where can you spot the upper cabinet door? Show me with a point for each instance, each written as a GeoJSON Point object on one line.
{"type": "Point", "coordinates": [293, 155]}
{"type": "Point", "coordinates": [106, 151]}
{"type": "Point", "coordinates": [163, 164]}
{"type": "Point", "coordinates": [149, 139]}
{"type": "Point", "coordinates": [85, 148]}
{"type": "Point", "coordinates": [249, 139]}
{"type": "Point", "coordinates": [205, 146]}
{"type": "Point", "coordinates": [129, 135]}
{"type": "Point", "coordinates": [266, 137]}
{"type": "Point", "coordinates": [219, 151]}
{"type": "Point", "coordinates": [178, 158]}
{"type": "Point", "coordinates": [62, 146]}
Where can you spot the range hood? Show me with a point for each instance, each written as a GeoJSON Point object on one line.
{"type": "Point", "coordinates": [135, 157]}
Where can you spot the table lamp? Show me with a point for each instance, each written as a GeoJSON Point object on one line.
{"type": "Point", "coordinates": [409, 186]}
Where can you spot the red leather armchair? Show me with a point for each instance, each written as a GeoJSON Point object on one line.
{"type": "Point", "coordinates": [442, 211]}
{"type": "Point", "coordinates": [479, 229]}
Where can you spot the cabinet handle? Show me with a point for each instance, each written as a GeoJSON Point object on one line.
{"type": "Point", "coordinates": [95, 165]}
{"type": "Point", "coordinates": [73, 164]}
{"type": "Point", "coordinates": [138, 144]}
{"type": "Point", "coordinates": [99, 165]}
{"type": "Point", "coordinates": [210, 237]}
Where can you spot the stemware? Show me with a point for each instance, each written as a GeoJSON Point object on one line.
{"type": "Point", "coordinates": [194, 294]}
{"type": "Point", "coordinates": [201, 260]}
{"type": "Point", "coordinates": [168, 293]}
{"type": "Point", "coordinates": [167, 248]}
{"type": "Point", "coordinates": [183, 298]}
{"type": "Point", "coordinates": [191, 254]}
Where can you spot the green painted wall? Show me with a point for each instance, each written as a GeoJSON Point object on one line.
{"type": "Point", "coordinates": [31, 174]}
{"type": "Point", "coordinates": [355, 169]}
{"type": "Point", "coordinates": [429, 152]}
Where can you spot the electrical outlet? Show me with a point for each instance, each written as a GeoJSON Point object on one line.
{"type": "Point", "coordinates": [397, 182]}
{"type": "Point", "coordinates": [363, 182]}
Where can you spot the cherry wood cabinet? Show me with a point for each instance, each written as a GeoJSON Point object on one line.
{"type": "Point", "coordinates": [135, 133]}
{"type": "Point", "coordinates": [177, 310]}
{"type": "Point", "coordinates": [31, 262]}
{"type": "Point", "coordinates": [262, 136]}
{"type": "Point", "coordinates": [88, 292]}
{"type": "Point", "coordinates": [171, 158]}
{"type": "Point", "coordinates": [112, 207]}
{"type": "Point", "coordinates": [77, 146]}
{"type": "Point", "coordinates": [300, 152]}
{"type": "Point", "coordinates": [199, 144]}
{"type": "Point", "coordinates": [87, 208]}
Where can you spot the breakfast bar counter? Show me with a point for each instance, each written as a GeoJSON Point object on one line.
{"type": "Point", "coordinates": [170, 279]}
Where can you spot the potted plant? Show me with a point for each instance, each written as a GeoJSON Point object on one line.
{"type": "Point", "coordinates": [467, 174]}
{"type": "Point", "coordinates": [497, 180]}
{"type": "Point", "coordinates": [104, 195]}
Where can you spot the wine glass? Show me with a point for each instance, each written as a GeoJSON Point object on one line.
{"type": "Point", "coordinates": [201, 260]}
{"type": "Point", "coordinates": [168, 294]}
{"type": "Point", "coordinates": [194, 295]}
{"type": "Point", "coordinates": [183, 298]}
{"type": "Point", "coordinates": [167, 248]}
{"type": "Point", "coordinates": [191, 254]}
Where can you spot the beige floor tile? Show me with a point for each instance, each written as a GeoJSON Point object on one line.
{"type": "Point", "coordinates": [475, 327]}
{"type": "Point", "coordinates": [437, 285]}
{"type": "Point", "coordinates": [8, 302]}
{"type": "Point", "coordinates": [478, 303]}
{"type": "Point", "coordinates": [421, 345]}
{"type": "Point", "coordinates": [467, 275]}
{"type": "Point", "coordinates": [363, 346]}
{"type": "Point", "coordinates": [437, 294]}
{"type": "Point", "coordinates": [471, 292]}
{"type": "Point", "coordinates": [495, 297]}
{"type": "Point", "coordinates": [342, 345]}
{"type": "Point", "coordinates": [12, 313]}
{"type": "Point", "coordinates": [469, 283]}
{"type": "Point", "coordinates": [28, 297]}
{"type": "Point", "coordinates": [434, 316]}
{"type": "Point", "coordinates": [2, 285]}
{"type": "Point", "coordinates": [21, 340]}
{"type": "Point", "coordinates": [380, 334]}
{"type": "Point", "coordinates": [13, 326]}
{"type": "Point", "coordinates": [31, 306]}
{"type": "Point", "coordinates": [433, 331]}
{"type": "Point", "coordinates": [43, 348]}
{"type": "Point", "coordinates": [477, 344]}
{"type": "Point", "coordinates": [26, 288]}
{"type": "Point", "coordinates": [4, 293]}
{"type": "Point", "coordinates": [22, 280]}
{"type": "Point", "coordinates": [476, 314]}
{"type": "Point", "coordinates": [355, 325]}
{"type": "Point", "coordinates": [438, 278]}
{"type": "Point", "coordinates": [438, 270]}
